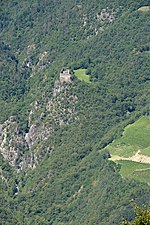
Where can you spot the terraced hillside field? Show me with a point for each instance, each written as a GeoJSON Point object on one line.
{"type": "Point", "coordinates": [132, 150]}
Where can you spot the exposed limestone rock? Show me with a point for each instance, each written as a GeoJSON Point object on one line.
{"type": "Point", "coordinates": [30, 49]}
{"type": "Point", "coordinates": [98, 23]}
{"type": "Point", "coordinates": [12, 143]}
{"type": "Point", "coordinates": [84, 21]}
{"type": "Point", "coordinates": [41, 62]}
{"type": "Point", "coordinates": [62, 106]}
{"type": "Point", "coordinates": [25, 150]}
{"type": "Point", "coordinates": [58, 110]}
{"type": "Point", "coordinates": [27, 63]}
{"type": "Point", "coordinates": [106, 15]}
{"type": "Point", "coordinates": [37, 133]}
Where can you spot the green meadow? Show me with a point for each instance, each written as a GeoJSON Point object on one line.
{"type": "Point", "coordinates": [81, 75]}
{"type": "Point", "coordinates": [135, 170]}
{"type": "Point", "coordinates": [135, 138]}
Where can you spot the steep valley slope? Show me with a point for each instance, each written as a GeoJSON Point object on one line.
{"type": "Point", "coordinates": [58, 125]}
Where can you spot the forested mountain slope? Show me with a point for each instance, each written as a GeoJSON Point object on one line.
{"type": "Point", "coordinates": [53, 125]}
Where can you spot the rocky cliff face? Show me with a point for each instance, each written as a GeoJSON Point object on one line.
{"type": "Point", "coordinates": [13, 145]}
{"type": "Point", "coordinates": [25, 150]}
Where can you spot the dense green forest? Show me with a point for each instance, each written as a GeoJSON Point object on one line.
{"type": "Point", "coordinates": [54, 166]}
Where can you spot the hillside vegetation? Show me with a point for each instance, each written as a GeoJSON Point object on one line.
{"type": "Point", "coordinates": [131, 150]}
{"type": "Point", "coordinates": [136, 137]}
{"type": "Point", "coordinates": [74, 74]}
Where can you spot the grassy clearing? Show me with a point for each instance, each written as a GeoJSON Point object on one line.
{"type": "Point", "coordinates": [146, 151]}
{"type": "Point", "coordinates": [143, 175]}
{"type": "Point", "coordinates": [144, 9]}
{"type": "Point", "coordinates": [135, 137]}
{"type": "Point", "coordinates": [81, 75]}
{"type": "Point", "coordinates": [129, 167]}
{"type": "Point", "coordinates": [135, 170]}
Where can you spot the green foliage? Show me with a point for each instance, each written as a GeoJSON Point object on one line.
{"type": "Point", "coordinates": [129, 147]}
{"type": "Point", "coordinates": [74, 184]}
{"type": "Point", "coordinates": [135, 137]}
{"type": "Point", "coordinates": [135, 170]}
{"type": "Point", "coordinates": [69, 185]}
{"type": "Point", "coordinates": [142, 216]}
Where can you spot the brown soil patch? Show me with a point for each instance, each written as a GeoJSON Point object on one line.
{"type": "Point", "coordinates": [136, 158]}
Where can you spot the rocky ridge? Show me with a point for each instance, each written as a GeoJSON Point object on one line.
{"type": "Point", "coordinates": [25, 150]}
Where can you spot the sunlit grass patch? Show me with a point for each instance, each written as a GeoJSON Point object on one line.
{"type": "Point", "coordinates": [132, 150]}
{"type": "Point", "coordinates": [135, 137]}
{"type": "Point", "coordinates": [81, 75]}
{"type": "Point", "coordinates": [135, 170]}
